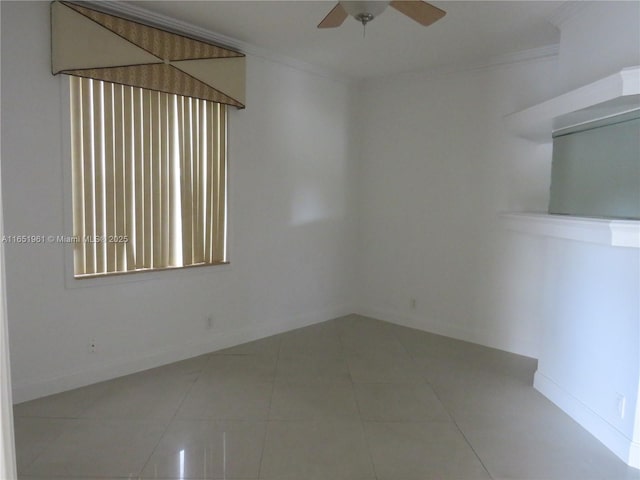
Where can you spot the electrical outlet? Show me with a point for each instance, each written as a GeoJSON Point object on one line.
{"type": "Point", "coordinates": [92, 345]}
{"type": "Point", "coordinates": [209, 322]}
{"type": "Point", "coordinates": [412, 303]}
{"type": "Point", "coordinates": [622, 405]}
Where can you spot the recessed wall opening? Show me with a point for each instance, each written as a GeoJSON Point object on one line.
{"type": "Point", "coordinates": [596, 168]}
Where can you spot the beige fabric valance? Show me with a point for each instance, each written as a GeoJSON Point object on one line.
{"type": "Point", "coordinates": [88, 43]}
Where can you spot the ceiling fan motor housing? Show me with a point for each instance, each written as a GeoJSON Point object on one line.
{"type": "Point", "coordinates": [364, 12]}
{"type": "Point", "coordinates": [422, 12]}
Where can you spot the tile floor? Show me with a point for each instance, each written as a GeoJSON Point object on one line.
{"type": "Point", "coordinates": [348, 399]}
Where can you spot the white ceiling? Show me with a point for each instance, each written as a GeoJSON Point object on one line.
{"type": "Point", "coordinates": [470, 33]}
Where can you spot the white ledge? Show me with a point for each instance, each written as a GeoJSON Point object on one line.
{"type": "Point", "coordinates": [612, 95]}
{"type": "Point", "coordinates": [613, 233]}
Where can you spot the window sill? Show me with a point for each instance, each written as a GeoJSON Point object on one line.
{"type": "Point", "coordinates": [167, 274]}
{"type": "Point", "coordinates": [146, 270]}
{"type": "Point", "coordinates": [601, 231]}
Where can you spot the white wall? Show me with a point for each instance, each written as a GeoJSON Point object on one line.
{"type": "Point", "coordinates": [437, 167]}
{"type": "Point", "coordinates": [416, 218]}
{"type": "Point", "coordinates": [591, 329]}
{"type": "Point", "coordinates": [591, 322]}
{"type": "Point", "coordinates": [290, 212]}
{"type": "Point", "coordinates": [599, 40]}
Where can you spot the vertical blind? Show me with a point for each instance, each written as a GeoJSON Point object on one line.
{"type": "Point", "coordinates": [149, 179]}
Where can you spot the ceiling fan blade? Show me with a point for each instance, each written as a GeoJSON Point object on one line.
{"type": "Point", "coordinates": [334, 18]}
{"type": "Point", "coordinates": [422, 12]}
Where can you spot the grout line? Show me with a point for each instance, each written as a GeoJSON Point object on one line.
{"type": "Point", "coordinates": [44, 417]}
{"type": "Point", "coordinates": [453, 420]}
{"type": "Point", "coordinates": [341, 333]}
{"type": "Point", "coordinates": [471, 447]}
{"type": "Point", "coordinates": [173, 417]}
{"type": "Point", "coordinates": [268, 420]}
{"type": "Point", "coordinates": [49, 444]}
{"type": "Point", "coordinates": [70, 420]}
{"type": "Point", "coordinates": [355, 395]}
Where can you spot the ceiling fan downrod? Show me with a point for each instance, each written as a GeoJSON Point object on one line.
{"type": "Point", "coordinates": [364, 18]}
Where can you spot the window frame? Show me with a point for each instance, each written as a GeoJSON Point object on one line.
{"type": "Point", "coordinates": [166, 274]}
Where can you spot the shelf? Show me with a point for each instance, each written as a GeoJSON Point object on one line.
{"type": "Point", "coordinates": [613, 233]}
{"type": "Point", "coordinates": [612, 95]}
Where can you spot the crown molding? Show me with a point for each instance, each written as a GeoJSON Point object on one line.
{"type": "Point", "coordinates": [529, 55]}
{"type": "Point", "coordinates": [142, 15]}
{"type": "Point", "coordinates": [136, 13]}
{"type": "Point", "coordinates": [537, 53]}
{"type": "Point", "coordinates": [565, 12]}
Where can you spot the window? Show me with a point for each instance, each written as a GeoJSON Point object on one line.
{"type": "Point", "coordinates": [149, 179]}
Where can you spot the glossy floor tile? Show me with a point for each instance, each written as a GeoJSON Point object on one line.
{"type": "Point", "coordinates": [89, 447]}
{"type": "Point", "coordinates": [309, 369]}
{"type": "Point", "coordinates": [213, 399]}
{"type": "Point", "coordinates": [313, 402]}
{"type": "Point", "coordinates": [317, 340]}
{"type": "Point", "coordinates": [421, 450]}
{"type": "Point", "coordinates": [316, 450]}
{"type": "Point", "coordinates": [240, 368]}
{"type": "Point", "coordinates": [267, 347]}
{"type": "Point", "coordinates": [399, 403]}
{"type": "Point", "coordinates": [348, 399]}
{"type": "Point", "coordinates": [208, 449]}
{"type": "Point", "coordinates": [519, 447]}
{"type": "Point", "coordinates": [33, 436]}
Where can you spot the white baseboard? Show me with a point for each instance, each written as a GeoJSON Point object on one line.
{"type": "Point", "coordinates": [448, 330]}
{"type": "Point", "coordinates": [23, 392]}
{"type": "Point", "coordinates": [412, 322]}
{"type": "Point", "coordinates": [634, 455]}
{"type": "Point", "coordinates": [625, 448]}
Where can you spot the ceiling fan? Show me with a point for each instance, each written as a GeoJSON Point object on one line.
{"type": "Point", "coordinates": [422, 12]}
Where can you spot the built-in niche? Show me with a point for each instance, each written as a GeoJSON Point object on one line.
{"type": "Point", "coordinates": [589, 300]}
{"type": "Point", "coordinates": [596, 168]}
